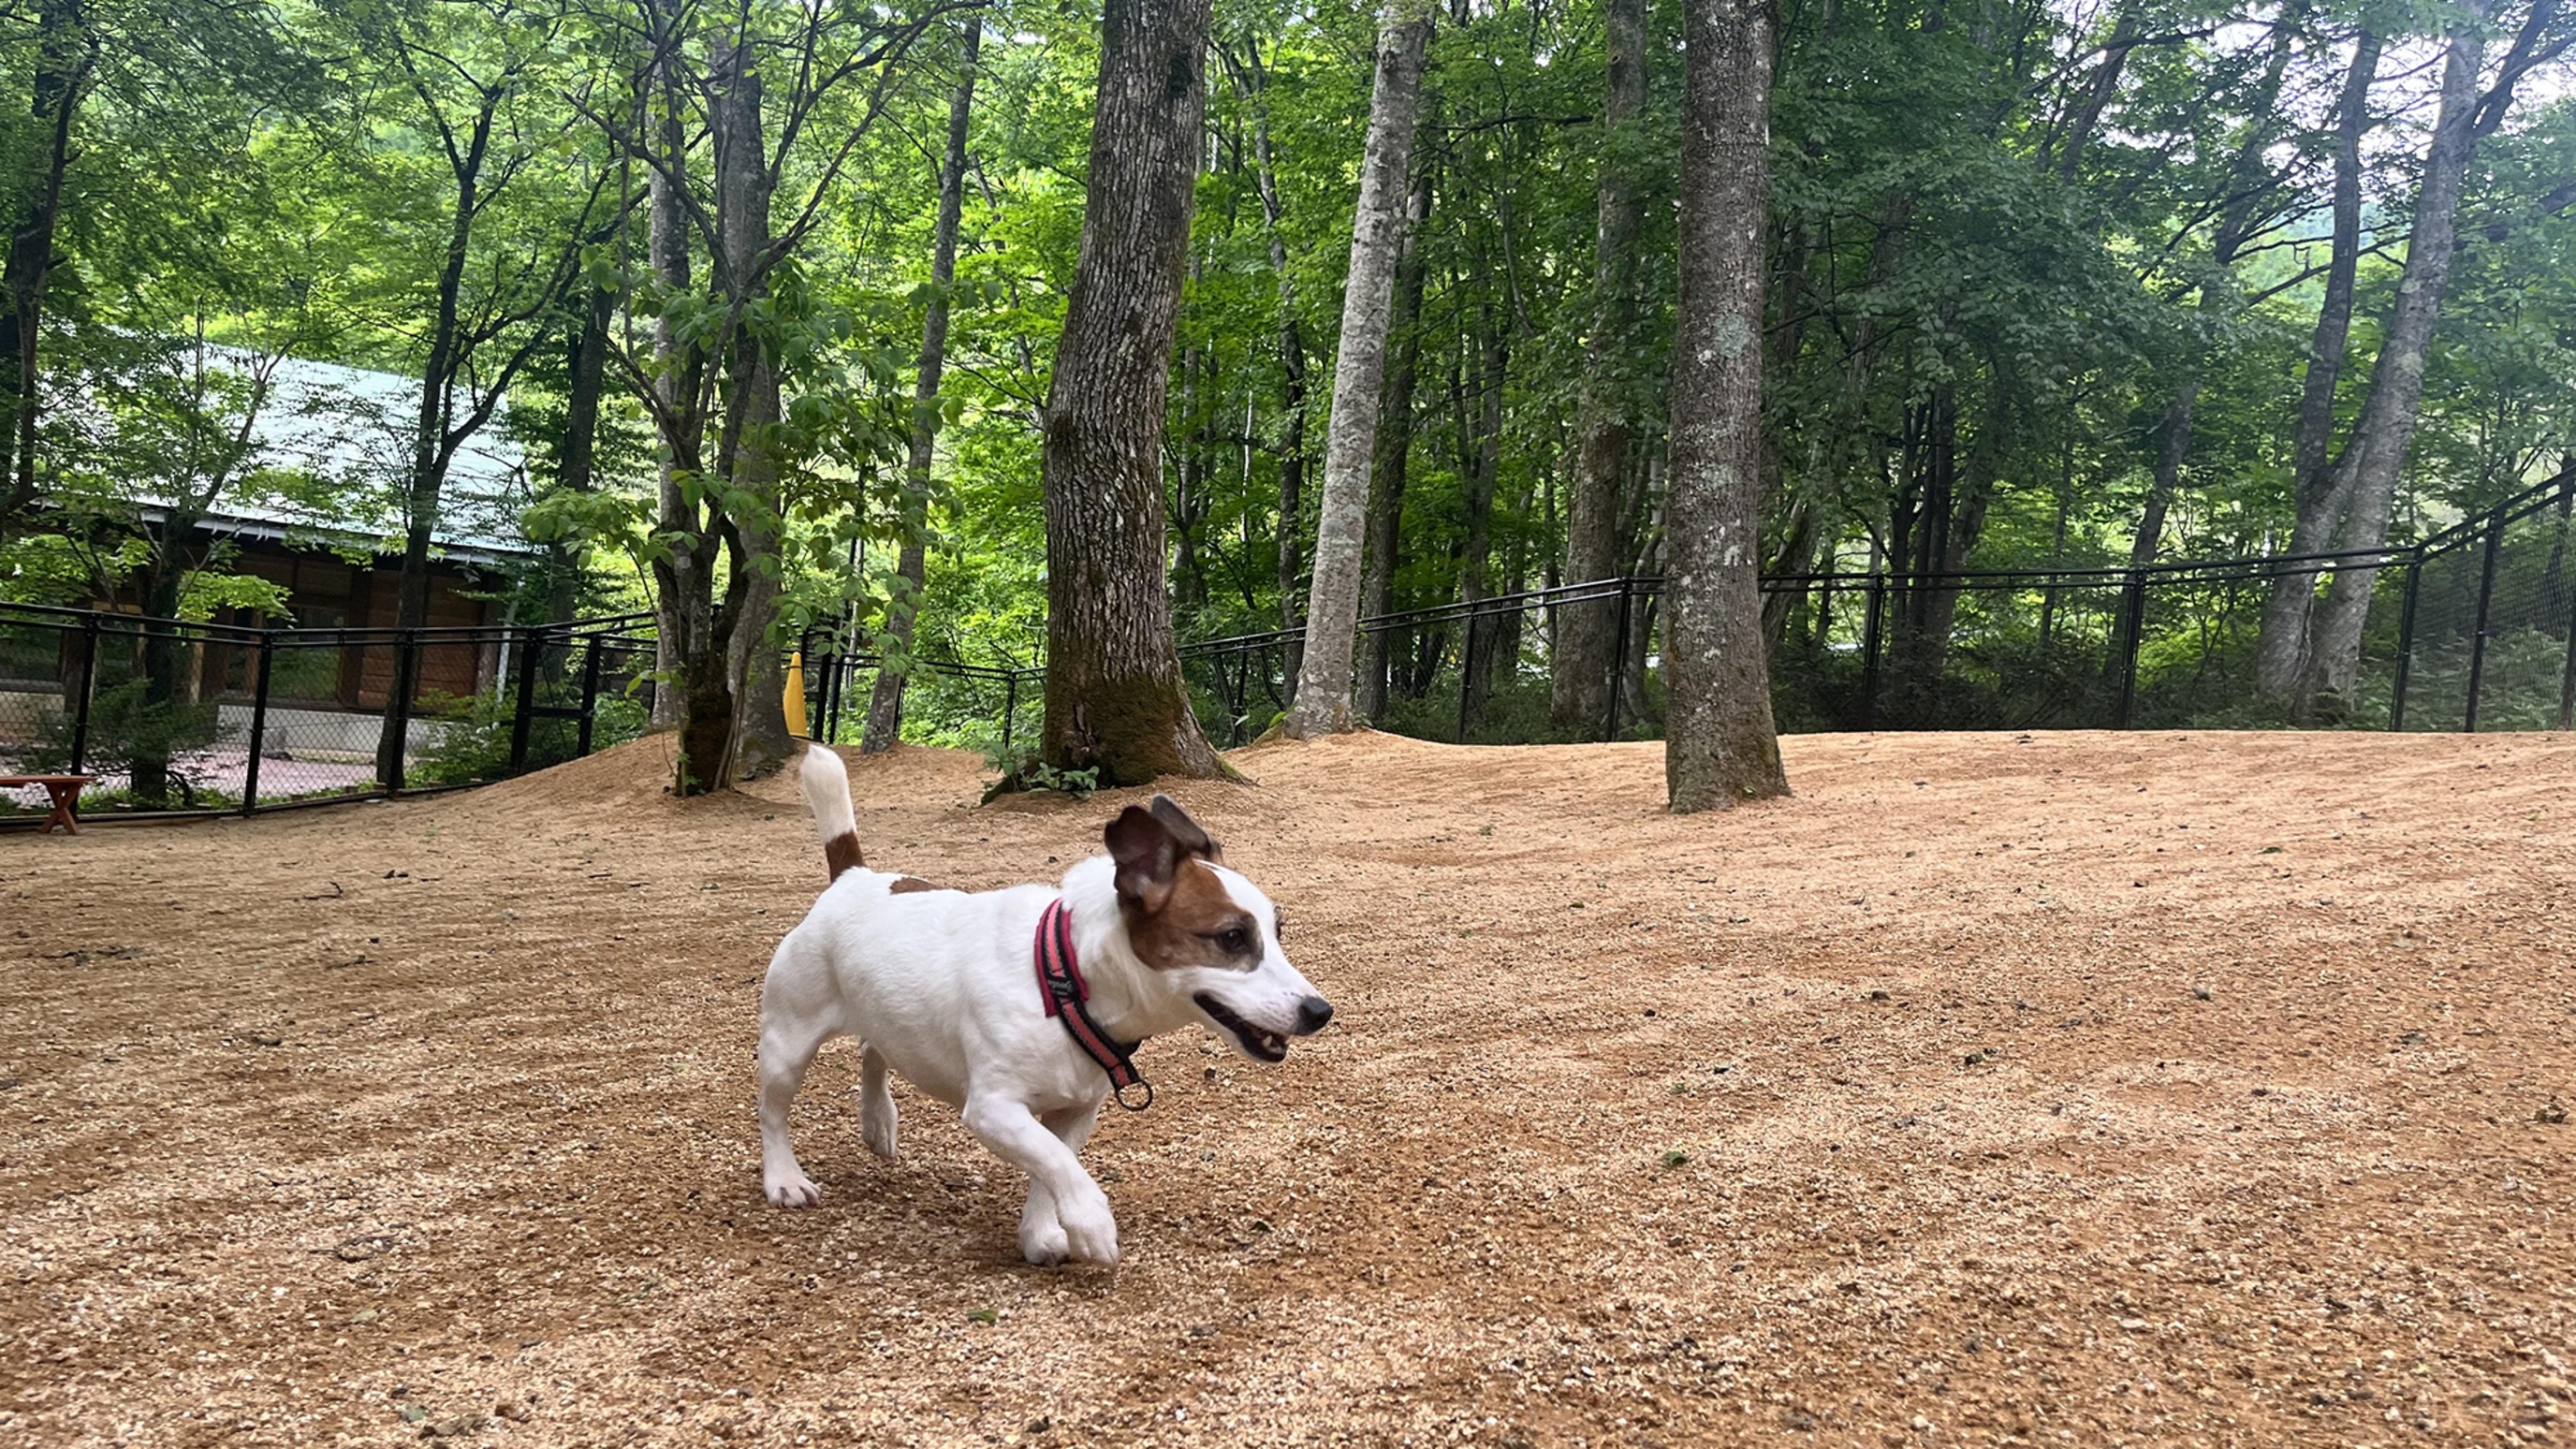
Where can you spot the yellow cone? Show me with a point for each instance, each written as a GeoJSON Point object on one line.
{"type": "Point", "coordinates": [796, 695]}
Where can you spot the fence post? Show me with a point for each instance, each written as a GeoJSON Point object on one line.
{"type": "Point", "coordinates": [258, 722]}
{"type": "Point", "coordinates": [1618, 666]}
{"type": "Point", "coordinates": [520, 716]}
{"type": "Point", "coordinates": [2478, 636]}
{"type": "Point", "coordinates": [1010, 706]}
{"type": "Point", "coordinates": [406, 680]}
{"type": "Point", "coordinates": [2405, 641]}
{"type": "Point", "coordinates": [88, 685]}
{"type": "Point", "coordinates": [2132, 628]}
{"type": "Point", "coordinates": [1466, 675]}
{"type": "Point", "coordinates": [1870, 634]}
{"type": "Point", "coordinates": [589, 697]}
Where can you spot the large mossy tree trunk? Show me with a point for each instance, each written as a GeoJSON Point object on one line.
{"type": "Point", "coordinates": [1114, 697]}
{"type": "Point", "coordinates": [1322, 704]}
{"type": "Point", "coordinates": [1587, 634]}
{"type": "Point", "coordinates": [1720, 743]}
{"type": "Point", "coordinates": [885, 703]}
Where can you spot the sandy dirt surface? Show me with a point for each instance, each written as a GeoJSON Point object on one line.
{"type": "Point", "coordinates": [2062, 1089]}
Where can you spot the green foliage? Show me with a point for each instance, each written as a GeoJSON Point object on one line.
{"type": "Point", "coordinates": [1021, 771]}
{"type": "Point", "coordinates": [470, 739]}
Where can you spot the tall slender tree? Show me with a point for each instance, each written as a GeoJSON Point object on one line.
{"type": "Point", "coordinates": [1587, 636]}
{"type": "Point", "coordinates": [885, 704]}
{"type": "Point", "coordinates": [2368, 472]}
{"type": "Point", "coordinates": [1114, 699]}
{"type": "Point", "coordinates": [1323, 701]}
{"type": "Point", "coordinates": [2281, 652]}
{"type": "Point", "coordinates": [1721, 745]}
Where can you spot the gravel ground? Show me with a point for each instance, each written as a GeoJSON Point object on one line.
{"type": "Point", "coordinates": [2056, 1089]}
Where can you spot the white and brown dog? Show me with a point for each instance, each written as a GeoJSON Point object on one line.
{"type": "Point", "coordinates": [1021, 1006]}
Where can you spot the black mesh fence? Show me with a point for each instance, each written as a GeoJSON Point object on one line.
{"type": "Point", "coordinates": [993, 708]}
{"type": "Point", "coordinates": [2495, 617]}
{"type": "Point", "coordinates": [2469, 630]}
{"type": "Point", "coordinates": [175, 717]}
{"type": "Point", "coordinates": [2473, 629]}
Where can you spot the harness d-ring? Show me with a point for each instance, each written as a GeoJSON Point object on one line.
{"type": "Point", "coordinates": [1121, 1095]}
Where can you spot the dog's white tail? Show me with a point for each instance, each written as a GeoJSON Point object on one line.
{"type": "Point", "coordinates": [827, 793]}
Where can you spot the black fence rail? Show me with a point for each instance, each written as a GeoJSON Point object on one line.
{"type": "Point", "coordinates": [180, 718]}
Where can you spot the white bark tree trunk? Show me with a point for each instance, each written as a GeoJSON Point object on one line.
{"type": "Point", "coordinates": [2368, 474]}
{"type": "Point", "coordinates": [1323, 700]}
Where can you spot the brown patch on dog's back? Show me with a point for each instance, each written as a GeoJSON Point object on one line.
{"type": "Point", "coordinates": [1182, 933]}
{"type": "Point", "coordinates": [841, 853]}
{"type": "Point", "coordinates": [905, 885]}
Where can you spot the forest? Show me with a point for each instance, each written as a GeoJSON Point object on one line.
{"type": "Point", "coordinates": [768, 298]}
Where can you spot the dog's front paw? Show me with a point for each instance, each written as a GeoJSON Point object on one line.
{"type": "Point", "coordinates": [1042, 1240]}
{"type": "Point", "coordinates": [791, 1189]}
{"type": "Point", "coordinates": [1090, 1233]}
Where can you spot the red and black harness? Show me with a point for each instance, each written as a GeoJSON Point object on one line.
{"type": "Point", "coordinates": [1060, 982]}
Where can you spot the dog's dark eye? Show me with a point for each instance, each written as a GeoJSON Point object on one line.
{"type": "Point", "coordinates": [1235, 941]}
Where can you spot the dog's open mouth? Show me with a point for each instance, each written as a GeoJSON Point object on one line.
{"type": "Point", "coordinates": [1268, 1046]}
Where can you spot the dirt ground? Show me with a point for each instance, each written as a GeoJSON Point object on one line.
{"type": "Point", "coordinates": [2056, 1089]}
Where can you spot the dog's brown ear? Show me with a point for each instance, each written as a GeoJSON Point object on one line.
{"type": "Point", "coordinates": [1186, 832]}
{"type": "Point", "coordinates": [1149, 858]}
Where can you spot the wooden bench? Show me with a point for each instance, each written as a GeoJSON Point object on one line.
{"type": "Point", "coordinates": [65, 790]}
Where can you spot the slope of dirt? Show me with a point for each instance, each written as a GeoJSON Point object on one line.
{"type": "Point", "coordinates": [2069, 1088]}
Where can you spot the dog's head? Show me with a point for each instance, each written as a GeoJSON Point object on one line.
{"type": "Point", "coordinates": [1206, 933]}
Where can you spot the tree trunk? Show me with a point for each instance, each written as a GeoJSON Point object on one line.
{"type": "Point", "coordinates": [577, 465]}
{"type": "Point", "coordinates": [885, 706]}
{"type": "Point", "coordinates": [430, 450]}
{"type": "Point", "coordinates": [2281, 652]}
{"type": "Point", "coordinates": [1394, 454]}
{"type": "Point", "coordinates": [1322, 704]}
{"type": "Point", "coordinates": [1586, 641]}
{"type": "Point", "coordinates": [755, 670]}
{"type": "Point", "coordinates": [692, 694]}
{"type": "Point", "coordinates": [1720, 743]}
{"type": "Point", "coordinates": [1292, 366]}
{"type": "Point", "coordinates": [2175, 446]}
{"type": "Point", "coordinates": [1114, 698]}
{"type": "Point", "coordinates": [66, 52]}
{"type": "Point", "coordinates": [2368, 472]}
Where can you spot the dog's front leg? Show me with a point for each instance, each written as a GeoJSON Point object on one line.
{"type": "Point", "coordinates": [1015, 1135]}
{"type": "Point", "coordinates": [1042, 1239]}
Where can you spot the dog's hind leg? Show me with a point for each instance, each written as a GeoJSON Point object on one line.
{"type": "Point", "coordinates": [876, 1105]}
{"type": "Point", "coordinates": [1042, 1238]}
{"type": "Point", "coordinates": [795, 1021]}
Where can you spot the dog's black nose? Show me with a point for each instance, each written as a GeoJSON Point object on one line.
{"type": "Point", "coordinates": [1312, 1013]}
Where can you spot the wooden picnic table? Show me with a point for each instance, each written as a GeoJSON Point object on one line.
{"type": "Point", "coordinates": [65, 792]}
